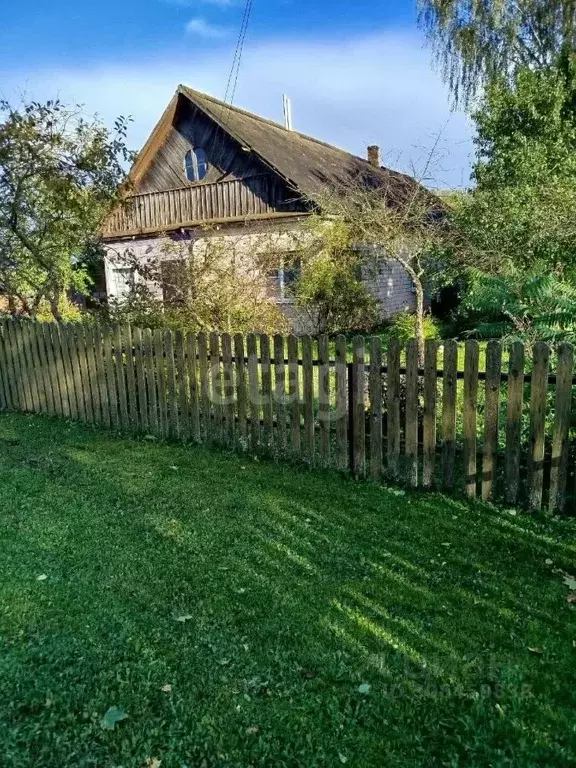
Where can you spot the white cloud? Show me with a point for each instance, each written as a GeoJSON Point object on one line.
{"type": "Point", "coordinates": [203, 28]}
{"type": "Point", "coordinates": [366, 90]}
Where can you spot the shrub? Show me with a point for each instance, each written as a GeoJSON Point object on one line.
{"type": "Point", "coordinates": [403, 328]}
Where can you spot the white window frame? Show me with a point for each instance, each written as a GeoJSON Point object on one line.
{"type": "Point", "coordinates": [194, 165]}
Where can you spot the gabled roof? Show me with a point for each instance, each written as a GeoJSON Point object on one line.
{"type": "Point", "coordinates": [307, 164]}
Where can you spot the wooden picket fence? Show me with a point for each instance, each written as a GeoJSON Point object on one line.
{"type": "Point", "coordinates": [501, 434]}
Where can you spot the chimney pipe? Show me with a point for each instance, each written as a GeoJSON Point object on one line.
{"type": "Point", "coordinates": [374, 155]}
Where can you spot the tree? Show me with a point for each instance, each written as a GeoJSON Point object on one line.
{"type": "Point", "coordinates": [329, 288]}
{"type": "Point", "coordinates": [520, 214]}
{"type": "Point", "coordinates": [400, 221]}
{"type": "Point", "coordinates": [478, 41]}
{"type": "Point", "coordinates": [59, 174]}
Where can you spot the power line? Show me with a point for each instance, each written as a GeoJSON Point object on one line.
{"type": "Point", "coordinates": [234, 73]}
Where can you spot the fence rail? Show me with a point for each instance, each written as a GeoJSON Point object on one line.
{"type": "Point", "coordinates": [503, 433]}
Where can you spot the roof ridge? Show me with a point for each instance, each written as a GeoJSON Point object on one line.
{"type": "Point", "coordinates": [186, 89]}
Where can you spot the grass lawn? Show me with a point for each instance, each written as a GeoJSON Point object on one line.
{"type": "Point", "coordinates": [244, 613]}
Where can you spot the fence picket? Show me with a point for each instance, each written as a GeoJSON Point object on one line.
{"type": "Point", "coordinates": [103, 395]}
{"type": "Point", "coordinates": [84, 372]}
{"type": "Point", "coordinates": [131, 374]}
{"type": "Point", "coordinates": [182, 376]}
{"type": "Point", "coordinates": [216, 387]}
{"type": "Point", "coordinates": [74, 390]}
{"type": "Point", "coordinates": [560, 438]}
{"type": "Point", "coordinates": [143, 423]}
{"type": "Point", "coordinates": [280, 392]}
{"type": "Point", "coordinates": [393, 408]}
{"type": "Point", "coordinates": [160, 368]}
{"type": "Point", "coordinates": [109, 366]}
{"type": "Point", "coordinates": [253, 392]}
{"type": "Point", "coordinates": [471, 358]}
{"type": "Point", "coordinates": [491, 412]}
{"type": "Point", "coordinates": [308, 398]}
{"type": "Point", "coordinates": [358, 436]}
{"type": "Point", "coordinates": [240, 366]}
{"type": "Point", "coordinates": [514, 421]}
{"type": "Point", "coordinates": [411, 428]}
{"type": "Point", "coordinates": [173, 420]}
{"type": "Point", "coordinates": [429, 416]}
{"type": "Point", "coordinates": [192, 367]}
{"type": "Point", "coordinates": [538, 391]}
{"type": "Point", "coordinates": [66, 382]}
{"type": "Point", "coordinates": [37, 383]}
{"type": "Point", "coordinates": [294, 393]}
{"type": "Point", "coordinates": [266, 374]}
{"type": "Point", "coordinates": [44, 373]}
{"type": "Point", "coordinates": [205, 421]}
{"type": "Point", "coordinates": [121, 376]}
{"type": "Point", "coordinates": [324, 399]}
{"type": "Point", "coordinates": [375, 395]}
{"type": "Point", "coordinates": [341, 414]}
{"type": "Point", "coordinates": [228, 389]}
{"type": "Point", "coordinates": [90, 341]}
{"type": "Point", "coordinates": [449, 392]}
{"type": "Point", "coordinates": [10, 370]}
{"type": "Point", "coordinates": [25, 384]}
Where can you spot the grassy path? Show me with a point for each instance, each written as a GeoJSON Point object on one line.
{"type": "Point", "coordinates": [244, 613]}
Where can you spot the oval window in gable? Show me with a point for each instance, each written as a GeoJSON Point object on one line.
{"type": "Point", "coordinates": [195, 164]}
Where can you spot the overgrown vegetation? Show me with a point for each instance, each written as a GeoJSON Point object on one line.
{"type": "Point", "coordinates": [238, 613]}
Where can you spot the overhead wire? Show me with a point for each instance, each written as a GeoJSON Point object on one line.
{"type": "Point", "coordinates": [233, 76]}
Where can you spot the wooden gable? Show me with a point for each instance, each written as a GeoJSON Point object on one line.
{"type": "Point", "coordinates": [191, 127]}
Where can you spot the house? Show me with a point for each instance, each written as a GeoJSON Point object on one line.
{"type": "Point", "coordinates": [210, 170]}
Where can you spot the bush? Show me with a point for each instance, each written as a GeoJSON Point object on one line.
{"type": "Point", "coordinates": [403, 328]}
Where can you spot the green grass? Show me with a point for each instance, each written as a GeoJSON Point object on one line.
{"type": "Point", "coordinates": [329, 622]}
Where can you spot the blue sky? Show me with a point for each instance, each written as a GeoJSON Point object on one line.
{"type": "Point", "coordinates": [357, 73]}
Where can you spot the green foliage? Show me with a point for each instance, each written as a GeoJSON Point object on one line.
{"type": "Point", "coordinates": [59, 174]}
{"type": "Point", "coordinates": [526, 131]}
{"type": "Point", "coordinates": [523, 307]}
{"type": "Point", "coordinates": [330, 289]}
{"type": "Point", "coordinates": [477, 42]}
{"type": "Point", "coordinates": [319, 610]}
{"type": "Point", "coordinates": [403, 327]}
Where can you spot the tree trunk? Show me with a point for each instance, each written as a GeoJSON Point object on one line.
{"type": "Point", "coordinates": [419, 320]}
{"type": "Point", "coordinates": [55, 309]}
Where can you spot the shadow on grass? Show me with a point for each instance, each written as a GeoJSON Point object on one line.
{"type": "Point", "coordinates": [301, 619]}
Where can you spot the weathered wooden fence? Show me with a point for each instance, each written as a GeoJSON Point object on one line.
{"type": "Point", "coordinates": [502, 432]}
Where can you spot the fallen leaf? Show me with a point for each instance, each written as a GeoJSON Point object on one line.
{"type": "Point", "coordinates": [571, 598]}
{"type": "Point", "coordinates": [570, 582]}
{"type": "Point", "coordinates": [184, 617]}
{"type": "Point", "coordinates": [252, 729]}
{"type": "Point", "coordinates": [536, 650]}
{"type": "Point", "coordinates": [166, 688]}
{"type": "Point", "coordinates": [174, 468]}
{"type": "Point", "coordinates": [42, 577]}
{"type": "Point", "coordinates": [342, 758]}
{"type": "Point", "coordinates": [548, 561]}
{"type": "Point", "coordinates": [499, 709]}
{"type": "Point", "coordinates": [111, 717]}
{"type": "Point", "coordinates": [364, 688]}
{"type": "Point", "coordinates": [153, 762]}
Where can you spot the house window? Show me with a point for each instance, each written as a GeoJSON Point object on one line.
{"type": "Point", "coordinates": [123, 278]}
{"type": "Point", "coordinates": [283, 278]}
{"type": "Point", "coordinates": [173, 273]}
{"type": "Point", "coordinates": [195, 164]}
